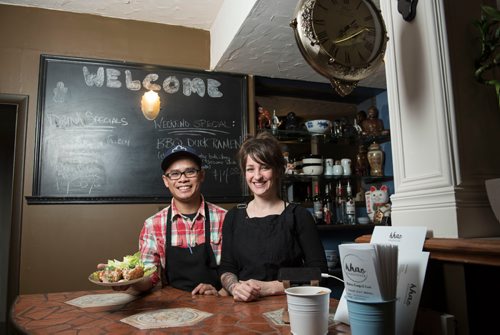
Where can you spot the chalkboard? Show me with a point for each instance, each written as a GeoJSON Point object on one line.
{"type": "Point", "coordinates": [94, 144]}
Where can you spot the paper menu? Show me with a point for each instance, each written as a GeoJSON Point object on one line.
{"type": "Point", "coordinates": [411, 275]}
{"type": "Point", "coordinates": [406, 238]}
{"type": "Point", "coordinates": [412, 266]}
{"type": "Point", "coordinates": [369, 271]}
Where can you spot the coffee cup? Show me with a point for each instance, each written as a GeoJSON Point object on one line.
{"type": "Point", "coordinates": [309, 309]}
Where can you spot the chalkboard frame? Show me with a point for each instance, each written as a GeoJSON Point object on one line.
{"type": "Point", "coordinates": [37, 195]}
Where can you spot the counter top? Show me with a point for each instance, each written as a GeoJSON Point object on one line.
{"type": "Point", "coordinates": [50, 313]}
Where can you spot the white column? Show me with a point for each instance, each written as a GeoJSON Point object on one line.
{"type": "Point", "coordinates": [444, 125]}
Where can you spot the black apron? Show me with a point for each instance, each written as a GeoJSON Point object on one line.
{"type": "Point", "coordinates": [185, 268]}
{"type": "Point", "coordinates": [266, 244]}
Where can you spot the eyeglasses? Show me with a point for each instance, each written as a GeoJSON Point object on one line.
{"type": "Point", "coordinates": [189, 173]}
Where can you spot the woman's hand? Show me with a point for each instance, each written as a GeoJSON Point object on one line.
{"type": "Point", "coordinates": [204, 289]}
{"type": "Point", "coordinates": [246, 291]}
{"type": "Point", "coordinates": [267, 288]}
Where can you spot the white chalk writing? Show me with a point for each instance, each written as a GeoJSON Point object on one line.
{"type": "Point", "coordinates": [85, 120]}
{"type": "Point", "coordinates": [170, 85]}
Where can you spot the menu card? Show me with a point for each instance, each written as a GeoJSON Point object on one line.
{"type": "Point", "coordinates": [412, 265]}
{"type": "Point", "coordinates": [411, 271]}
{"type": "Point", "coordinates": [370, 271]}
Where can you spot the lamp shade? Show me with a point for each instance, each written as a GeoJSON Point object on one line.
{"type": "Point", "coordinates": [150, 105]}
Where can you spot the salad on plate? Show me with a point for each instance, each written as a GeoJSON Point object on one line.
{"type": "Point", "coordinates": [125, 272]}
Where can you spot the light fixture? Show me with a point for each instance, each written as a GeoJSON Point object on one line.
{"type": "Point", "coordinates": [150, 105]}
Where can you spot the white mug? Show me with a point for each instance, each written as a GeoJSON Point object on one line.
{"type": "Point", "coordinates": [346, 165]}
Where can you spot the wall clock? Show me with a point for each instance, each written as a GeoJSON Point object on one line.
{"type": "Point", "coordinates": [343, 40]}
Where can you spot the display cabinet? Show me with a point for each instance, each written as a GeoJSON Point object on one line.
{"type": "Point", "coordinates": [309, 101]}
{"type": "Point", "coordinates": [319, 101]}
{"type": "Point", "coordinates": [301, 188]}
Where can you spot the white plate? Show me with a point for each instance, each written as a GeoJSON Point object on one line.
{"type": "Point", "coordinates": [118, 283]}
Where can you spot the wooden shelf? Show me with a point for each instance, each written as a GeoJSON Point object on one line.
{"type": "Point", "coordinates": [373, 179]}
{"type": "Point", "coordinates": [306, 178]}
{"type": "Point", "coordinates": [291, 178]}
{"type": "Point", "coordinates": [303, 136]}
{"type": "Point", "coordinates": [482, 251]}
{"type": "Point", "coordinates": [265, 86]}
{"type": "Point", "coordinates": [369, 139]}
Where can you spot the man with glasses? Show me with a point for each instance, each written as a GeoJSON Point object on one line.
{"type": "Point", "coordinates": [184, 239]}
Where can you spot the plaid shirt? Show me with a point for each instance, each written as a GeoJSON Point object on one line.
{"type": "Point", "coordinates": [185, 233]}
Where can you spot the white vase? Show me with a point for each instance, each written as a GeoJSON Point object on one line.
{"type": "Point", "coordinates": [493, 191]}
{"type": "Point", "coordinates": [346, 166]}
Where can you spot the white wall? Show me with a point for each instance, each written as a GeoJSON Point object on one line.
{"type": "Point", "coordinates": [228, 22]}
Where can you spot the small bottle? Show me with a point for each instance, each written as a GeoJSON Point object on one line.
{"type": "Point", "coordinates": [317, 205]}
{"type": "Point", "coordinates": [350, 206]}
{"type": "Point", "coordinates": [340, 203]}
{"type": "Point", "coordinates": [327, 206]}
{"type": "Point", "coordinates": [308, 198]}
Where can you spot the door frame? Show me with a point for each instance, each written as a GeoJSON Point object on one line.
{"type": "Point", "coordinates": [21, 101]}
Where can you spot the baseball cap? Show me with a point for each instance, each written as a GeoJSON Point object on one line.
{"type": "Point", "coordinates": [179, 151]}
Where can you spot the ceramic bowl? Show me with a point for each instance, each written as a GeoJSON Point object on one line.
{"type": "Point", "coordinates": [318, 126]}
{"type": "Point", "coordinates": [312, 169]}
{"type": "Point", "coordinates": [313, 159]}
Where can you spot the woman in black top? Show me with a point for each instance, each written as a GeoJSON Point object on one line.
{"type": "Point", "coordinates": [268, 233]}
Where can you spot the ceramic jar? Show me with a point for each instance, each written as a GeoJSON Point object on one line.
{"type": "Point", "coordinates": [346, 166]}
{"type": "Point", "coordinates": [337, 169]}
{"type": "Point", "coordinates": [329, 166]}
{"type": "Point", "coordinates": [312, 165]}
{"type": "Point", "coordinates": [376, 160]}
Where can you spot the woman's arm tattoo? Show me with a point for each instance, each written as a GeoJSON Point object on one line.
{"type": "Point", "coordinates": [228, 281]}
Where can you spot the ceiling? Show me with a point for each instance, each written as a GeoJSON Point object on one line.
{"type": "Point", "coordinates": [263, 45]}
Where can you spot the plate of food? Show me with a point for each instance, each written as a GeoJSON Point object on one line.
{"type": "Point", "coordinates": [128, 271]}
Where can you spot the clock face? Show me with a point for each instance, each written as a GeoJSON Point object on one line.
{"type": "Point", "coordinates": [343, 40]}
{"type": "Point", "coordinates": [350, 32]}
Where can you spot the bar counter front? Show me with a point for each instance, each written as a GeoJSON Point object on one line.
{"type": "Point", "coordinates": [176, 311]}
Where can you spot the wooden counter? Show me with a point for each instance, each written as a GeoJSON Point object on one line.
{"type": "Point", "coordinates": [49, 314]}
{"type": "Point", "coordinates": [481, 251]}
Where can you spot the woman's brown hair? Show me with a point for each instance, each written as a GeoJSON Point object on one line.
{"type": "Point", "coordinates": [264, 149]}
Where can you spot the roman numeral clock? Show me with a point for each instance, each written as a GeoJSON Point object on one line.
{"type": "Point", "coordinates": [343, 40]}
